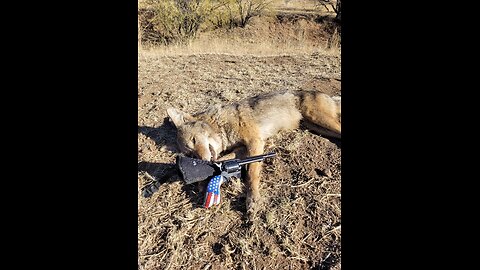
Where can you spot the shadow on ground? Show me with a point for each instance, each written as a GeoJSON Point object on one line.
{"type": "Point", "coordinates": [163, 135]}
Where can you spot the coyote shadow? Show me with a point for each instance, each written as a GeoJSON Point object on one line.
{"type": "Point", "coordinates": [165, 173]}
{"type": "Point", "coordinates": [163, 136]}
{"type": "Point", "coordinates": [160, 173]}
{"type": "Point", "coordinates": [307, 126]}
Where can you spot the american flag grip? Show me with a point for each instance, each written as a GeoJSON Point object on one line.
{"type": "Point", "coordinates": [212, 197]}
{"type": "Point", "coordinates": [228, 169]}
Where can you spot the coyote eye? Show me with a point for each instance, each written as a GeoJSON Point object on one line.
{"type": "Point", "coordinates": [193, 141]}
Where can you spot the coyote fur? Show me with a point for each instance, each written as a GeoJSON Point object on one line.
{"type": "Point", "coordinates": [244, 126]}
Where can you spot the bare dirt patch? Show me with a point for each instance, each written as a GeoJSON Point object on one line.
{"type": "Point", "coordinates": [300, 225]}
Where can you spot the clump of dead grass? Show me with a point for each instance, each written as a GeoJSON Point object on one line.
{"type": "Point", "coordinates": [225, 46]}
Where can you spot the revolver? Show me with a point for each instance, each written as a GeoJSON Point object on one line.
{"type": "Point", "coordinates": [195, 170]}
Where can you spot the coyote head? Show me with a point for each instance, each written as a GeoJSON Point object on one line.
{"type": "Point", "coordinates": [195, 137]}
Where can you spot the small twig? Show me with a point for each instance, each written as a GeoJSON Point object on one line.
{"type": "Point", "coordinates": [334, 194]}
{"type": "Point", "coordinates": [303, 240]}
{"type": "Point", "coordinates": [336, 228]}
{"type": "Point", "coordinates": [301, 185]}
{"type": "Point", "coordinates": [153, 255]}
{"type": "Point", "coordinates": [328, 233]}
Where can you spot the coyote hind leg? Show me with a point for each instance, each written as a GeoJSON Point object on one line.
{"type": "Point", "coordinates": [321, 130]}
{"type": "Point", "coordinates": [322, 114]}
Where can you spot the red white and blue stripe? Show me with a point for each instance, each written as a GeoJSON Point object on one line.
{"type": "Point", "coordinates": [213, 191]}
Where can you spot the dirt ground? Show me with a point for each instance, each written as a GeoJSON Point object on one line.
{"type": "Point", "coordinates": [300, 225]}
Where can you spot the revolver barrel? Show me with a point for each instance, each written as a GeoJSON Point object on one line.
{"type": "Point", "coordinates": [255, 158]}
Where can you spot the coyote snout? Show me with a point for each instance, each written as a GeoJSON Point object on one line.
{"type": "Point", "coordinates": [247, 124]}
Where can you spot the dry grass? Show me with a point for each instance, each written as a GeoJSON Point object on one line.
{"type": "Point", "coordinates": [299, 226]}
{"type": "Point", "coordinates": [225, 46]}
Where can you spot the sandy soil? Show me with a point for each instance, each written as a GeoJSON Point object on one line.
{"type": "Point", "coordinates": [300, 226]}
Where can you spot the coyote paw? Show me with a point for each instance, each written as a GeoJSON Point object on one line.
{"type": "Point", "coordinates": [254, 201]}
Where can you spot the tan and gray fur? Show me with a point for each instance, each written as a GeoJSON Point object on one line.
{"type": "Point", "coordinates": [243, 127]}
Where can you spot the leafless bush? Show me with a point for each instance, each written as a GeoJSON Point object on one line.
{"type": "Point", "coordinates": [251, 8]}
{"type": "Point", "coordinates": [336, 5]}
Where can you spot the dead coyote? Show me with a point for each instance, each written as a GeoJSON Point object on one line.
{"type": "Point", "coordinates": [245, 125]}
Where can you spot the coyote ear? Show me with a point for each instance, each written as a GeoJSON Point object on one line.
{"type": "Point", "coordinates": [178, 117]}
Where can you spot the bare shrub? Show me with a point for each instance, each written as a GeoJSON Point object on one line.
{"type": "Point", "coordinates": [336, 5]}
{"type": "Point", "coordinates": [238, 12]}
{"type": "Point", "coordinates": [251, 8]}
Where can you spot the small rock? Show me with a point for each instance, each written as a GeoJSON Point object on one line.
{"type": "Point", "coordinates": [327, 173]}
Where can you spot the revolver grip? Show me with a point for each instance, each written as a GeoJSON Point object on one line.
{"type": "Point", "coordinates": [212, 197]}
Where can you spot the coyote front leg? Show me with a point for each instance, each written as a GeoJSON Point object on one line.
{"type": "Point", "coordinates": [254, 148]}
{"type": "Point", "coordinates": [238, 152]}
